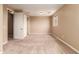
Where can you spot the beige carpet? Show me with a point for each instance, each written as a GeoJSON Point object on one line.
{"type": "Point", "coordinates": [36, 44]}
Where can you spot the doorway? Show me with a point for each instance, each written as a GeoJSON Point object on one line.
{"type": "Point", "coordinates": [10, 25]}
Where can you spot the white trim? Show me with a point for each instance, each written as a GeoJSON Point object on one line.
{"type": "Point", "coordinates": [28, 24]}
{"type": "Point", "coordinates": [73, 48]}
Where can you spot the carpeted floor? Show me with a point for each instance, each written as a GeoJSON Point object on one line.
{"type": "Point", "coordinates": [36, 44]}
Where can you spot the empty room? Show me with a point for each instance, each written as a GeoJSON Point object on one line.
{"type": "Point", "coordinates": [39, 28]}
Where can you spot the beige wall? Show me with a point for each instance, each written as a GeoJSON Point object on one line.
{"type": "Point", "coordinates": [68, 28]}
{"type": "Point", "coordinates": [5, 24]}
{"type": "Point", "coordinates": [40, 24]}
{"type": "Point", "coordinates": [1, 26]}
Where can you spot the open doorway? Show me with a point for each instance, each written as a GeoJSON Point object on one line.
{"type": "Point", "coordinates": [10, 25]}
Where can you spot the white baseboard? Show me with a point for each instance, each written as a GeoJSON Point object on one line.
{"type": "Point", "coordinates": [77, 51]}
{"type": "Point", "coordinates": [41, 33]}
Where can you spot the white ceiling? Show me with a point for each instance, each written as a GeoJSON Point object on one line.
{"type": "Point", "coordinates": [37, 9]}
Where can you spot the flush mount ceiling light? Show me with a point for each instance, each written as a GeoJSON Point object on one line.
{"type": "Point", "coordinates": [42, 12]}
